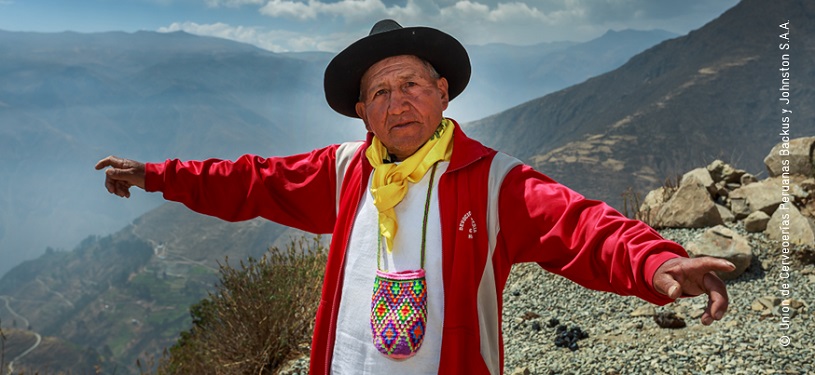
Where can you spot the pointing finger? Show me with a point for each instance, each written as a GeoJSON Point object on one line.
{"type": "Point", "coordinates": [110, 161]}
{"type": "Point", "coordinates": [718, 300]}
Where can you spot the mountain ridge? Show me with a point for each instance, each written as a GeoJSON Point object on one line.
{"type": "Point", "coordinates": [685, 101]}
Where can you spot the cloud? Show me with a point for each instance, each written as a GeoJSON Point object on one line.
{"type": "Point", "coordinates": [471, 21]}
{"type": "Point", "coordinates": [233, 3]}
{"type": "Point", "coordinates": [272, 40]}
{"type": "Point", "coordinates": [350, 10]}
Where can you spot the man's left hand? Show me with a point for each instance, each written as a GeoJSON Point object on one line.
{"type": "Point", "coordinates": [693, 276]}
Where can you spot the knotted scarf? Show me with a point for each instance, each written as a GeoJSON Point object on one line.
{"type": "Point", "coordinates": [390, 180]}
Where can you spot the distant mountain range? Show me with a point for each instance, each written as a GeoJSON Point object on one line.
{"type": "Point", "coordinates": [684, 102]}
{"type": "Point", "coordinates": [69, 99]}
{"type": "Point", "coordinates": [505, 76]}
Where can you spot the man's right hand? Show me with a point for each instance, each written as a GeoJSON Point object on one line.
{"type": "Point", "coordinates": [122, 174]}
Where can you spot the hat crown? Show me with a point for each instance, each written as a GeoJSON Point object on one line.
{"type": "Point", "coordinates": [385, 26]}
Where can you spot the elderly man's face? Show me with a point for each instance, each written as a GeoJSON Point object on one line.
{"type": "Point", "coordinates": [402, 103]}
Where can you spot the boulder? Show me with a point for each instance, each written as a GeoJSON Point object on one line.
{"type": "Point", "coordinates": [761, 196]}
{"type": "Point", "coordinates": [739, 207]}
{"type": "Point", "coordinates": [723, 172]}
{"type": "Point", "coordinates": [721, 242]}
{"type": "Point", "coordinates": [756, 222]}
{"type": "Point", "coordinates": [689, 207]}
{"type": "Point", "coordinates": [652, 203]}
{"type": "Point", "coordinates": [726, 215]}
{"type": "Point", "coordinates": [787, 224]}
{"type": "Point", "coordinates": [702, 176]}
{"type": "Point", "coordinates": [791, 186]}
{"type": "Point", "coordinates": [799, 153]}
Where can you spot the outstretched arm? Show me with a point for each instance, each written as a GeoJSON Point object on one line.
{"type": "Point", "coordinates": [122, 174]}
{"type": "Point", "coordinates": [691, 277]}
{"type": "Point", "coordinates": [595, 246]}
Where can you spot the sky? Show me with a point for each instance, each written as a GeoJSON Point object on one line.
{"type": "Point", "coordinates": [330, 25]}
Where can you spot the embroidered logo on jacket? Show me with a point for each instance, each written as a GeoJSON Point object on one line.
{"type": "Point", "coordinates": [462, 225]}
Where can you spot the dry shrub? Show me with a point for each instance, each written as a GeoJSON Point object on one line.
{"type": "Point", "coordinates": [258, 316]}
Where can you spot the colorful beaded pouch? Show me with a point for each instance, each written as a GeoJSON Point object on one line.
{"type": "Point", "coordinates": [399, 303]}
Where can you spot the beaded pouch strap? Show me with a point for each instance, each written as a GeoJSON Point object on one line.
{"type": "Point", "coordinates": [399, 302]}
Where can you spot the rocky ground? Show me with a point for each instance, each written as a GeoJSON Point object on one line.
{"type": "Point", "coordinates": [747, 341]}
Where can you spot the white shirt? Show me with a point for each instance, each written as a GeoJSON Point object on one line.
{"type": "Point", "coordinates": [354, 351]}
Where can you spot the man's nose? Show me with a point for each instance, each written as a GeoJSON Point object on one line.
{"type": "Point", "coordinates": [398, 102]}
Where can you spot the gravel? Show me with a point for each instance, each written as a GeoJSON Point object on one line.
{"type": "Point", "coordinates": [744, 342]}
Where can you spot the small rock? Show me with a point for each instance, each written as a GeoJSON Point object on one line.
{"type": "Point", "coordinates": [766, 305]}
{"type": "Point", "coordinates": [521, 371]}
{"type": "Point", "coordinates": [530, 315]}
{"type": "Point", "coordinates": [747, 179]}
{"type": "Point", "coordinates": [793, 303]}
{"type": "Point", "coordinates": [645, 310]}
{"type": "Point", "coordinates": [739, 207]}
{"type": "Point", "coordinates": [779, 311]}
{"type": "Point", "coordinates": [757, 306]}
{"type": "Point", "coordinates": [808, 184]}
{"type": "Point", "coordinates": [721, 171]}
{"type": "Point", "coordinates": [669, 319]}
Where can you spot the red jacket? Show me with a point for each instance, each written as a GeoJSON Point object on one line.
{"type": "Point", "coordinates": [538, 220]}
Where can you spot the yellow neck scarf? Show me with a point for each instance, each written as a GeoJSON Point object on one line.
{"type": "Point", "coordinates": [390, 180]}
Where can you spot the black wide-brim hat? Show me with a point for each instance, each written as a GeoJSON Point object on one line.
{"type": "Point", "coordinates": [386, 39]}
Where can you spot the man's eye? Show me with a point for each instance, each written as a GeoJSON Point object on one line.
{"type": "Point", "coordinates": [380, 92]}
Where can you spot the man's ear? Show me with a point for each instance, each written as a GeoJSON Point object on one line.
{"type": "Point", "coordinates": [360, 109]}
{"type": "Point", "coordinates": [443, 88]}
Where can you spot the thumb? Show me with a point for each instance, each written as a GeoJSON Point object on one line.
{"type": "Point", "coordinates": [669, 286]}
{"type": "Point", "coordinates": [664, 280]}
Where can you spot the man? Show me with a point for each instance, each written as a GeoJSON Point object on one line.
{"type": "Point", "coordinates": [451, 215]}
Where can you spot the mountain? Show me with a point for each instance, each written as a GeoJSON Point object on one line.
{"type": "Point", "coordinates": [126, 296]}
{"type": "Point", "coordinates": [506, 75]}
{"type": "Point", "coordinates": [68, 100]}
{"type": "Point", "coordinates": [713, 93]}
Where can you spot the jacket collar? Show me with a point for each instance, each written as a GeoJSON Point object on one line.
{"type": "Point", "coordinates": [465, 149]}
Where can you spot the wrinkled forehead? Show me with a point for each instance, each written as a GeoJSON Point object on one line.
{"type": "Point", "coordinates": [401, 66]}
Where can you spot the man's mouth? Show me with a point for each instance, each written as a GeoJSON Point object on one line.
{"type": "Point", "coordinates": [403, 124]}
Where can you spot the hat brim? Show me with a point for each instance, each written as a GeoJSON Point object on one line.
{"type": "Point", "coordinates": [345, 71]}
